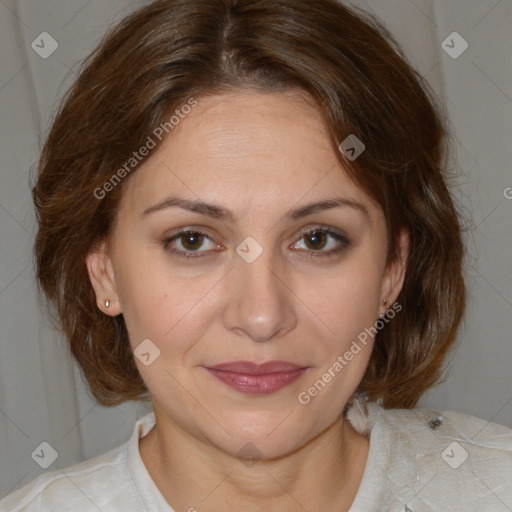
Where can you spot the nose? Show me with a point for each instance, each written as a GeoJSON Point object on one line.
{"type": "Point", "coordinates": [260, 303]}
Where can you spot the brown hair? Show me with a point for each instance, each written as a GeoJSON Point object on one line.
{"type": "Point", "coordinates": [171, 50]}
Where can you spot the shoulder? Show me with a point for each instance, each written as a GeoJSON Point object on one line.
{"type": "Point", "coordinates": [433, 427]}
{"type": "Point", "coordinates": [105, 482]}
{"type": "Point", "coordinates": [81, 487]}
{"type": "Point", "coordinates": [441, 458]}
{"type": "Point", "coordinates": [436, 428]}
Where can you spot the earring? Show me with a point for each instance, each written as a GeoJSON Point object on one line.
{"type": "Point", "coordinates": [107, 303]}
{"type": "Point", "coordinates": [381, 316]}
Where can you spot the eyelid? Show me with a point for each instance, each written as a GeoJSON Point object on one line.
{"type": "Point", "coordinates": [322, 227]}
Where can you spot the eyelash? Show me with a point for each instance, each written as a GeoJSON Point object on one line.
{"type": "Point", "coordinates": [345, 243]}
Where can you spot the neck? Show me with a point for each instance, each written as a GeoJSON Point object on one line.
{"type": "Point", "coordinates": [194, 474]}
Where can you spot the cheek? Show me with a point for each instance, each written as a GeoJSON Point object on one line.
{"type": "Point", "coordinates": [347, 301]}
{"type": "Point", "coordinates": [348, 304]}
{"type": "Point", "coordinates": [158, 304]}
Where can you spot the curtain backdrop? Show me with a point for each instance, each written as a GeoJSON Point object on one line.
{"type": "Point", "coordinates": [42, 397]}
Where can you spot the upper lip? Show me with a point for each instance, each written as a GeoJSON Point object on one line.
{"type": "Point", "coordinates": [250, 368]}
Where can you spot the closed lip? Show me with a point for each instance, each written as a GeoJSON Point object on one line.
{"type": "Point", "coordinates": [251, 368]}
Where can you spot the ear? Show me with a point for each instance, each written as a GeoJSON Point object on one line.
{"type": "Point", "coordinates": [395, 273]}
{"type": "Point", "coordinates": [101, 274]}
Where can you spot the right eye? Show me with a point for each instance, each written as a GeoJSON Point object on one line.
{"type": "Point", "coordinates": [190, 241]}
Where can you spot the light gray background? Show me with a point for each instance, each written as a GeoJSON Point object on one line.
{"type": "Point", "coordinates": [41, 395]}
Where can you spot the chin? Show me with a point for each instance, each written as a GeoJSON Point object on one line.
{"type": "Point", "coordinates": [251, 450]}
{"type": "Point", "coordinates": [262, 436]}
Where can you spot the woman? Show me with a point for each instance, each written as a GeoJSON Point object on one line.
{"type": "Point", "coordinates": [244, 218]}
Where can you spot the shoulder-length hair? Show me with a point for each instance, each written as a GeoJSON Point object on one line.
{"type": "Point", "coordinates": [169, 51]}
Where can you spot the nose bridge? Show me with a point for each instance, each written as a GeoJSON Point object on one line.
{"type": "Point", "coordinates": [261, 277]}
{"type": "Point", "coordinates": [259, 303]}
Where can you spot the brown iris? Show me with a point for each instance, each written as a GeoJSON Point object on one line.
{"type": "Point", "coordinates": [317, 237]}
{"type": "Point", "coordinates": [192, 241]}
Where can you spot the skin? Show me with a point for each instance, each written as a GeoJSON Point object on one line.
{"type": "Point", "coordinates": [259, 155]}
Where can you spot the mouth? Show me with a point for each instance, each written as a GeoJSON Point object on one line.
{"type": "Point", "coordinates": [252, 378]}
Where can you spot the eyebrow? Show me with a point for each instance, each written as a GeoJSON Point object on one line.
{"type": "Point", "coordinates": [217, 212]}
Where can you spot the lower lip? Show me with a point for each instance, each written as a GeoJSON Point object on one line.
{"type": "Point", "coordinates": [257, 384]}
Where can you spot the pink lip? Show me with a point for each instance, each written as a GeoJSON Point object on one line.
{"type": "Point", "coordinates": [252, 378]}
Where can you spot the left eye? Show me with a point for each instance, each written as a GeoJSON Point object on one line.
{"type": "Point", "coordinates": [317, 241]}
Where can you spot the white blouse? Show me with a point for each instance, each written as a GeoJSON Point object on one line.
{"type": "Point", "coordinates": [419, 460]}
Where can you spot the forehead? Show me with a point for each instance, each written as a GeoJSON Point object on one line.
{"type": "Point", "coordinates": [244, 148]}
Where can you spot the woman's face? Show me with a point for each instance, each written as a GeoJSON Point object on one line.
{"type": "Point", "coordinates": [257, 288]}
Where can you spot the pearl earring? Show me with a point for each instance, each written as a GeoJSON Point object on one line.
{"type": "Point", "coordinates": [107, 303]}
{"type": "Point", "coordinates": [385, 302]}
